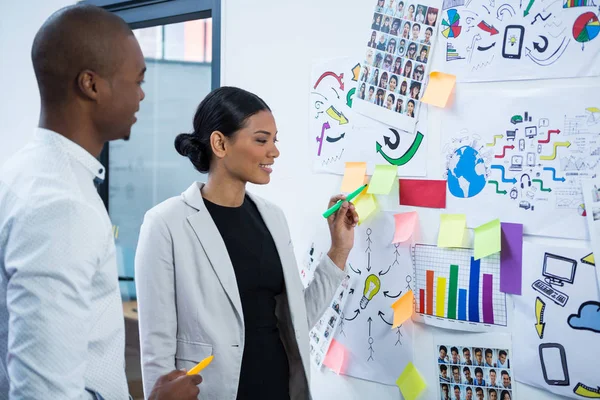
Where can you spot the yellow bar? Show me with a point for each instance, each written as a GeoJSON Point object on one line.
{"type": "Point", "coordinates": [440, 298]}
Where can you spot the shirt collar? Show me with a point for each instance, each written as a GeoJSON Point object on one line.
{"type": "Point", "coordinates": [73, 150]}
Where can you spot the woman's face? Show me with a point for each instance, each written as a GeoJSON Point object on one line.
{"type": "Point", "coordinates": [381, 39]}
{"type": "Point", "coordinates": [373, 35]}
{"type": "Point", "coordinates": [371, 91]}
{"type": "Point", "coordinates": [403, 87]}
{"type": "Point", "coordinates": [416, 30]}
{"type": "Point", "coordinates": [410, 107]}
{"type": "Point", "coordinates": [250, 153]}
{"type": "Point", "coordinates": [408, 69]}
{"type": "Point", "coordinates": [362, 88]}
{"type": "Point", "coordinates": [384, 78]}
{"type": "Point", "coordinates": [414, 91]}
{"type": "Point", "coordinates": [406, 27]}
{"type": "Point", "coordinates": [412, 49]}
{"type": "Point", "coordinates": [431, 17]}
{"type": "Point", "coordinates": [393, 82]}
{"type": "Point", "coordinates": [423, 53]}
{"type": "Point", "coordinates": [378, 19]}
{"type": "Point", "coordinates": [427, 35]}
{"type": "Point", "coordinates": [411, 9]}
{"type": "Point", "coordinates": [398, 63]}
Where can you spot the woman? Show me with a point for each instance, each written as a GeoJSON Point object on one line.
{"type": "Point", "coordinates": [403, 88]}
{"type": "Point", "coordinates": [410, 15]}
{"type": "Point", "coordinates": [419, 72]}
{"type": "Point", "coordinates": [383, 82]}
{"type": "Point", "coordinates": [410, 108]}
{"type": "Point", "coordinates": [393, 83]}
{"type": "Point", "coordinates": [432, 14]}
{"type": "Point", "coordinates": [381, 45]}
{"type": "Point", "coordinates": [398, 66]}
{"type": "Point", "coordinates": [376, 22]}
{"type": "Point", "coordinates": [375, 79]}
{"type": "Point", "coordinates": [407, 68]}
{"type": "Point", "coordinates": [379, 97]}
{"type": "Point", "coordinates": [387, 63]}
{"type": "Point", "coordinates": [398, 108]}
{"type": "Point", "coordinates": [387, 25]}
{"type": "Point", "coordinates": [420, 17]}
{"type": "Point", "coordinates": [391, 47]}
{"type": "Point", "coordinates": [505, 395]}
{"type": "Point", "coordinates": [423, 56]}
{"type": "Point", "coordinates": [365, 74]}
{"type": "Point", "coordinates": [400, 10]}
{"type": "Point", "coordinates": [215, 269]}
{"type": "Point", "coordinates": [415, 88]}
{"type": "Point", "coordinates": [363, 91]}
{"type": "Point", "coordinates": [371, 97]}
{"type": "Point", "coordinates": [412, 51]}
{"type": "Point", "coordinates": [373, 42]}
{"type": "Point", "coordinates": [395, 27]}
{"type": "Point", "coordinates": [406, 30]}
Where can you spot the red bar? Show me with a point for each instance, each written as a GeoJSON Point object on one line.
{"type": "Point", "coordinates": [421, 301]}
{"type": "Point", "coordinates": [429, 292]}
{"type": "Point", "coordinates": [422, 193]}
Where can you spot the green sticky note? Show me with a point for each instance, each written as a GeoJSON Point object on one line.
{"type": "Point", "coordinates": [383, 179]}
{"type": "Point", "coordinates": [365, 205]}
{"type": "Point", "coordinates": [452, 230]}
{"type": "Point", "coordinates": [488, 239]}
{"type": "Point", "coordinates": [410, 382]}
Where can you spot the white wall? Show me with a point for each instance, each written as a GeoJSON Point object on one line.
{"type": "Point", "coordinates": [268, 48]}
{"type": "Point", "coordinates": [20, 101]}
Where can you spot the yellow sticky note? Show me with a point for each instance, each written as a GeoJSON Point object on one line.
{"type": "Point", "coordinates": [410, 382]}
{"type": "Point", "coordinates": [439, 89]}
{"type": "Point", "coordinates": [403, 309]}
{"type": "Point", "coordinates": [406, 223]}
{"type": "Point", "coordinates": [354, 176]}
{"type": "Point", "coordinates": [383, 179]}
{"type": "Point", "coordinates": [335, 358]}
{"type": "Point", "coordinates": [365, 205]}
{"type": "Point", "coordinates": [452, 230]}
{"type": "Point", "coordinates": [488, 239]}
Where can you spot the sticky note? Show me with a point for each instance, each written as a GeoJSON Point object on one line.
{"type": "Point", "coordinates": [403, 309]}
{"type": "Point", "coordinates": [439, 89]}
{"type": "Point", "coordinates": [423, 193]}
{"type": "Point", "coordinates": [406, 224]}
{"type": "Point", "coordinates": [452, 230]}
{"type": "Point", "coordinates": [383, 179]}
{"type": "Point", "coordinates": [365, 205]}
{"type": "Point", "coordinates": [410, 382]}
{"type": "Point", "coordinates": [511, 258]}
{"type": "Point", "coordinates": [336, 356]}
{"type": "Point", "coordinates": [487, 239]}
{"type": "Point", "coordinates": [354, 176]}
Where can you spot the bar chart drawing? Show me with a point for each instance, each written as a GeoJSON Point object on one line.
{"type": "Point", "coordinates": [453, 287]}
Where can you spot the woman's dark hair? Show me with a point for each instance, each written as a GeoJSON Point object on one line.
{"type": "Point", "coordinates": [226, 110]}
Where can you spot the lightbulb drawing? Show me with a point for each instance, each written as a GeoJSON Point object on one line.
{"type": "Point", "coordinates": [372, 285]}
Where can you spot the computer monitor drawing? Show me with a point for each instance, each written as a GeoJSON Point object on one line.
{"type": "Point", "coordinates": [558, 270]}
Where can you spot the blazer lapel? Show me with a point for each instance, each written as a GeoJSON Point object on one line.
{"type": "Point", "coordinates": [207, 233]}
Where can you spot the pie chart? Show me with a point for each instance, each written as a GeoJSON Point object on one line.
{"type": "Point", "coordinates": [451, 28]}
{"type": "Point", "coordinates": [586, 27]}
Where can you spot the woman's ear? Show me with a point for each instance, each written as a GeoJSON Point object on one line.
{"type": "Point", "coordinates": [218, 144]}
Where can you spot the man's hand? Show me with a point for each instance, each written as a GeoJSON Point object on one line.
{"type": "Point", "coordinates": [176, 385]}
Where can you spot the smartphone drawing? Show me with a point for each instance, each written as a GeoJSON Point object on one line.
{"type": "Point", "coordinates": [513, 41]}
{"type": "Point", "coordinates": [554, 364]}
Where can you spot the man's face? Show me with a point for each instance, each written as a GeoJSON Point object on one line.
{"type": "Point", "coordinates": [445, 391]}
{"type": "Point", "coordinates": [479, 376]}
{"type": "Point", "coordinates": [505, 380]}
{"type": "Point", "coordinates": [502, 358]}
{"type": "Point", "coordinates": [455, 357]}
{"type": "Point", "coordinates": [444, 373]}
{"type": "Point", "coordinates": [493, 378]}
{"type": "Point", "coordinates": [467, 355]}
{"type": "Point", "coordinates": [456, 375]}
{"type": "Point", "coordinates": [488, 358]}
{"type": "Point", "coordinates": [457, 393]}
{"type": "Point", "coordinates": [468, 374]}
{"type": "Point", "coordinates": [415, 31]}
{"type": "Point", "coordinates": [493, 396]}
{"type": "Point", "coordinates": [469, 394]}
{"type": "Point", "coordinates": [480, 395]}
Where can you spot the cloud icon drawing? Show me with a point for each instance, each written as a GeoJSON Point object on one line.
{"type": "Point", "coordinates": [587, 318]}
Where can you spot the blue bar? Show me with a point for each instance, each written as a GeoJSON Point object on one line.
{"type": "Point", "coordinates": [462, 304]}
{"type": "Point", "coordinates": [474, 291]}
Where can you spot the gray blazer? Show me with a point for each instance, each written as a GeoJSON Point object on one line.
{"type": "Point", "coordinates": [189, 305]}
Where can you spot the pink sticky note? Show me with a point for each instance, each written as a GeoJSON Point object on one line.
{"type": "Point", "coordinates": [335, 357]}
{"type": "Point", "coordinates": [406, 224]}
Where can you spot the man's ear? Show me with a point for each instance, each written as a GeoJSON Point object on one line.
{"type": "Point", "coordinates": [218, 143]}
{"type": "Point", "coordinates": [87, 83]}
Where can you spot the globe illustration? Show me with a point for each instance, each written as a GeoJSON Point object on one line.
{"type": "Point", "coordinates": [466, 172]}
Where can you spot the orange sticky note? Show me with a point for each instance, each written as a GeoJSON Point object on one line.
{"type": "Point", "coordinates": [403, 308]}
{"type": "Point", "coordinates": [336, 356]}
{"type": "Point", "coordinates": [405, 226]}
{"type": "Point", "coordinates": [354, 176]}
{"type": "Point", "coordinates": [439, 89]}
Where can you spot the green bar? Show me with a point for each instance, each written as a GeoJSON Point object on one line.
{"type": "Point", "coordinates": [453, 292]}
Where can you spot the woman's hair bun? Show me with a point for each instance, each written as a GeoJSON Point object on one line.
{"type": "Point", "coordinates": [189, 146]}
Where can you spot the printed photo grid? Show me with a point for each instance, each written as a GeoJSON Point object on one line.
{"type": "Point", "coordinates": [474, 373]}
{"type": "Point", "coordinates": [397, 54]}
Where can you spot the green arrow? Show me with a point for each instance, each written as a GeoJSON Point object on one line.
{"type": "Point", "coordinates": [349, 97]}
{"type": "Point", "coordinates": [406, 157]}
{"type": "Point", "coordinates": [542, 188]}
{"type": "Point", "coordinates": [526, 12]}
{"type": "Point", "coordinates": [497, 191]}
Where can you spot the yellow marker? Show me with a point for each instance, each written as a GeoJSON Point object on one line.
{"type": "Point", "coordinates": [200, 366]}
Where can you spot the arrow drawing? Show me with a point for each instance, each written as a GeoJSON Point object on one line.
{"type": "Point", "coordinates": [547, 140]}
{"type": "Point", "coordinates": [542, 48]}
{"type": "Point", "coordinates": [356, 72]}
{"type": "Point", "coordinates": [501, 168]}
{"type": "Point", "coordinates": [586, 391]}
{"type": "Point", "coordinates": [385, 293]}
{"type": "Point", "coordinates": [351, 291]}
{"type": "Point", "coordinates": [553, 155]}
{"type": "Point", "coordinates": [406, 157]}
{"type": "Point", "coordinates": [497, 191]}
{"type": "Point", "coordinates": [329, 73]}
{"type": "Point", "coordinates": [381, 314]}
{"type": "Point", "coordinates": [349, 97]}
{"type": "Point", "coordinates": [505, 8]}
{"type": "Point", "coordinates": [333, 140]}
{"type": "Point", "coordinates": [481, 48]}
{"type": "Point", "coordinates": [526, 12]}
{"type": "Point", "coordinates": [542, 18]}
{"type": "Point", "coordinates": [336, 115]}
{"type": "Point", "coordinates": [552, 59]}
{"type": "Point", "coordinates": [357, 311]}
{"type": "Point", "coordinates": [504, 151]}
{"type": "Point", "coordinates": [494, 142]}
{"type": "Point", "coordinates": [369, 321]}
{"type": "Point", "coordinates": [381, 273]}
{"type": "Point", "coordinates": [369, 262]}
{"type": "Point", "coordinates": [389, 143]}
{"type": "Point", "coordinates": [554, 178]}
{"type": "Point", "coordinates": [540, 306]}
{"type": "Point", "coordinates": [542, 188]}
{"type": "Point", "coordinates": [484, 26]}
{"type": "Point", "coordinates": [355, 271]}
{"type": "Point", "coordinates": [320, 139]}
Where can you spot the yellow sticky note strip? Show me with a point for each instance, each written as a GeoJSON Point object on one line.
{"type": "Point", "coordinates": [403, 309]}
{"type": "Point", "coordinates": [452, 230]}
{"type": "Point", "coordinates": [439, 89]}
{"type": "Point", "coordinates": [383, 179]}
{"type": "Point", "coordinates": [335, 357]}
{"type": "Point", "coordinates": [488, 239]}
{"type": "Point", "coordinates": [354, 176]}
{"type": "Point", "coordinates": [410, 382]}
{"type": "Point", "coordinates": [365, 205]}
{"type": "Point", "coordinates": [406, 224]}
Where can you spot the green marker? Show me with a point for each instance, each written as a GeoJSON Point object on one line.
{"type": "Point", "coordinates": [337, 205]}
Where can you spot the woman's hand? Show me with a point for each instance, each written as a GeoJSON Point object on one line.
{"type": "Point", "coordinates": [341, 228]}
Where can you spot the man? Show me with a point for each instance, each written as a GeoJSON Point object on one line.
{"type": "Point", "coordinates": [456, 375]}
{"type": "Point", "coordinates": [492, 381]}
{"type": "Point", "coordinates": [492, 394]}
{"type": "Point", "coordinates": [443, 353]}
{"type": "Point", "coordinates": [505, 380]}
{"type": "Point", "coordinates": [489, 358]}
{"type": "Point", "coordinates": [455, 357]}
{"type": "Point", "coordinates": [445, 392]}
{"type": "Point", "coordinates": [467, 356]}
{"type": "Point", "coordinates": [468, 378]}
{"type": "Point", "coordinates": [479, 393]}
{"type": "Point", "coordinates": [444, 373]}
{"type": "Point", "coordinates": [61, 317]}
{"type": "Point", "coordinates": [479, 381]}
{"type": "Point", "coordinates": [456, 392]}
{"type": "Point", "coordinates": [478, 357]}
{"type": "Point", "coordinates": [469, 393]}
{"type": "Point", "coordinates": [502, 361]}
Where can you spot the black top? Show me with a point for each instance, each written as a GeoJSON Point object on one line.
{"type": "Point", "coordinates": [259, 274]}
